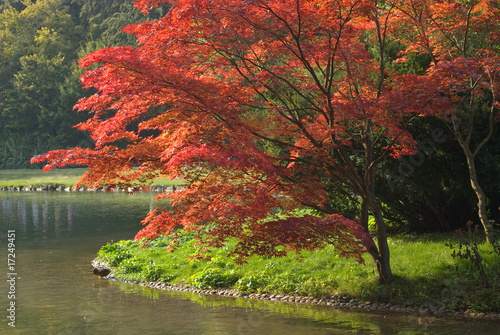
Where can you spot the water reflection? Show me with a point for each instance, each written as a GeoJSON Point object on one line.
{"type": "Point", "coordinates": [53, 216]}
{"type": "Point", "coordinates": [275, 318]}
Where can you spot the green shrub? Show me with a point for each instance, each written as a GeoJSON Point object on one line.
{"type": "Point", "coordinates": [131, 265]}
{"type": "Point", "coordinates": [115, 253]}
{"type": "Point", "coordinates": [284, 283]}
{"type": "Point", "coordinates": [252, 283]}
{"type": "Point", "coordinates": [316, 288]}
{"type": "Point", "coordinates": [214, 278]}
{"type": "Point", "coordinates": [153, 272]}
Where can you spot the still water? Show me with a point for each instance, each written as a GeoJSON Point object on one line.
{"type": "Point", "coordinates": [57, 236]}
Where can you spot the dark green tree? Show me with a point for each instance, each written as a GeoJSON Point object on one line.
{"type": "Point", "coordinates": [38, 55]}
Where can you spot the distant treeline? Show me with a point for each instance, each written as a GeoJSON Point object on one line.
{"type": "Point", "coordinates": [40, 45]}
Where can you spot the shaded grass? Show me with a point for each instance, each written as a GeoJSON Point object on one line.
{"type": "Point", "coordinates": [67, 177]}
{"type": "Point", "coordinates": [424, 272]}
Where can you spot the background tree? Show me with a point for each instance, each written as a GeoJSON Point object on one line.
{"type": "Point", "coordinates": [41, 42]}
{"type": "Point", "coordinates": [428, 192]}
{"type": "Point", "coordinates": [461, 38]}
{"type": "Point", "coordinates": [40, 48]}
{"type": "Point", "coordinates": [106, 19]}
{"type": "Point", "coordinates": [16, 4]}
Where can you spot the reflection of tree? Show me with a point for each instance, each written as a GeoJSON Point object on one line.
{"type": "Point", "coordinates": [35, 218]}
{"type": "Point", "coordinates": [259, 314]}
{"type": "Point", "coordinates": [70, 219]}
{"type": "Point", "coordinates": [44, 216]}
{"type": "Point", "coordinates": [21, 213]}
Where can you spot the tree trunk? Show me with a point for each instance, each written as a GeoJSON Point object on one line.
{"type": "Point", "coordinates": [469, 155]}
{"type": "Point", "coordinates": [363, 216]}
{"type": "Point", "coordinates": [381, 257]}
{"type": "Point", "coordinates": [481, 197]}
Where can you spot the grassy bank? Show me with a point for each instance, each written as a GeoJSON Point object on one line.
{"type": "Point", "coordinates": [25, 177]}
{"type": "Point", "coordinates": [425, 273]}
{"type": "Point", "coordinates": [67, 177]}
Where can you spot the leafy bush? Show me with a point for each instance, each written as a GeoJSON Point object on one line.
{"type": "Point", "coordinates": [131, 265]}
{"type": "Point", "coordinates": [153, 272]}
{"type": "Point", "coordinates": [116, 253]}
{"type": "Point", "coordinates": [285, 283]}
{"type": "Point", "coordinates": [316, 288]}
{"type": "Point", "coordinates": [214, 278]}
{"type": "Point", "coordinates": [252, 283]}
{"type": "Point", "coordinates": [477, 263]}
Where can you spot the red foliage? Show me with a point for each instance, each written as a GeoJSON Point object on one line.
{"type": "Point", "coordinates": [307, 232]}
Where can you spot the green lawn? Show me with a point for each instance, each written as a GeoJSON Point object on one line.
{"type": "Point", "coordinates": [67, 176]}
{"type": "Point", "coordinates": [424, 271]}
{"type": "Point", "coordinates": [24, 177]}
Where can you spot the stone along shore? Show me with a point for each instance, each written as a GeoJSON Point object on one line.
{"type": "Point", "coordinates": [63, 188]}
{"type": "Point", "coordinates": [335, 301]}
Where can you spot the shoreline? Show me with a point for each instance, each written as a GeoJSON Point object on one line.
{"type": "Point", "coordinates": [336, 302]}
{"type": "Point", "coordinates": [65, 188]}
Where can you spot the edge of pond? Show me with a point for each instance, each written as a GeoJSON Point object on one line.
{"type": "Point", "coordinates": [65, 188]}
{"type": "Point", "coordinates": [335, 302]}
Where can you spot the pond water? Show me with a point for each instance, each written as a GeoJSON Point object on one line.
{"type": "Point", "coordinates": [58, 234]}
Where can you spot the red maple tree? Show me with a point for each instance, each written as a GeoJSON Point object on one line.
{"type": "Point", "coordinates": [257, 105]}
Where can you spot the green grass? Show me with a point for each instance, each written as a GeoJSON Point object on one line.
{"type": "Point", "coordinates": [25, 177]}
{"type": "Point", "coordinates": [68, 177]}
{"type": "Point", "coordinates": [424, 272]}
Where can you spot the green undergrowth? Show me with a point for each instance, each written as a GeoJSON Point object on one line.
{"type": "Point", "coordinates": [67, 177]}
{"type": "Point", "coordinates": [425, 273]}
